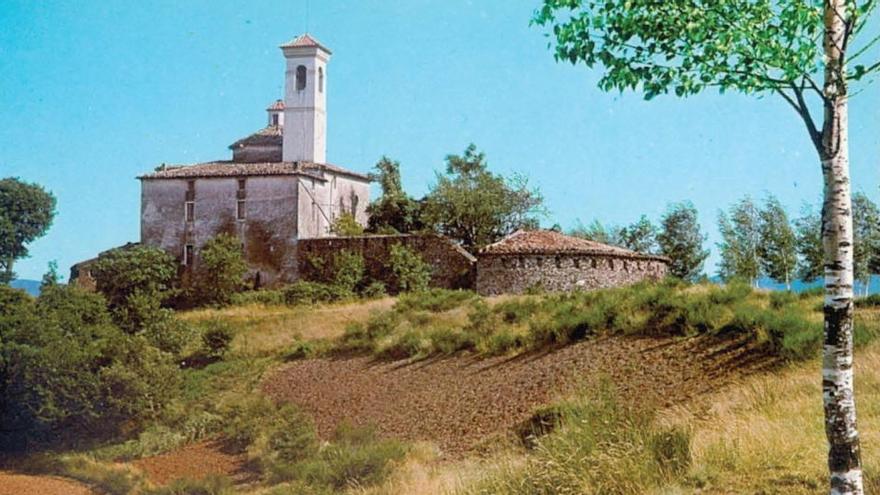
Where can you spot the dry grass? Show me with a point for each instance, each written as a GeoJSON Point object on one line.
{"type": "Point", "coordinates": [264, 330]}
{"type": "Point", "coordinates": [767, 434]}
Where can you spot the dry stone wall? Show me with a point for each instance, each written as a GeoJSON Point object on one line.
{"type": "Point", "coordinates": [516, 274]}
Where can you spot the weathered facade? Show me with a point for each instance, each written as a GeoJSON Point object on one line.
{"type": "Point", "coordinates": [555, 262]}
{"type": "Point", "coordinates": [276, 190]}
{"type": "Point", "coordinates": [451, 266]}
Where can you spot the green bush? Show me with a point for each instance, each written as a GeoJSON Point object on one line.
{"type": "Point", "coordinates": [435, 300]}
{"type": "Point", "coordinates": [70, 375]}
{"type": "Point", "coordinates": [349, 271]}
{"type": "Point", "coordinates": [217, 338]}
{"type": "Point", "coordinates": [411, 273]}
{"type": "Point", "coordinates": [374, 290]}
{"type": "Point", "coordinates": [135, 281]}
{"type": "Point", "coordinates": [868, 301]}
{"type": "Point", "coordinates": [313, 292]}
{"type": "Point", "coordinates": [219, 272]}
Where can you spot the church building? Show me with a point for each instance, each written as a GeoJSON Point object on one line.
{"type": "Point", "coordinates": [277, 189]}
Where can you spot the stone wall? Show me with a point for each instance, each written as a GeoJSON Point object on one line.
{"type": "Point", "coordinates": [453, 267]}
{"type": "Point", "coordinates": [515, 274]}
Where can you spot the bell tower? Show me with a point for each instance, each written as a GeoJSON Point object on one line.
{"type": "Point", "coordinates": [305, 115]}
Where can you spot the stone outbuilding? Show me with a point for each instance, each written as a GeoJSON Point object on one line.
{"type": "Point", "coordinates": [548, 260]}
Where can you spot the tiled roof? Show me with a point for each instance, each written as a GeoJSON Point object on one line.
{"type": "Point", "coordinates": [303, 41]}
{"type": "Point", "coordinates": [267, 136]}
{"type": "Point", "coordinates": [551, 242]}
{"type": "Point", "coordinates": [238, 169]}
{"type": "Point", "coordinates": [278, 105]}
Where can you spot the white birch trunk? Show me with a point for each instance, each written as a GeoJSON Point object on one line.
{"type": "Point", "coordinates": [844, 461]}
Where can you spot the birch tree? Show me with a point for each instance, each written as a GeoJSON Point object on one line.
{"type": "Point", "coordinates": [779, 47]}
{"type": "Point", "coordinates": [778, 243]}
{"type": "Point", "coordinates": [741, 242]}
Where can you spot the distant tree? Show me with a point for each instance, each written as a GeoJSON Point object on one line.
{"type": "Point", "coordinates": [866, 239]}
{"type": "Point", "coordinates": [26, 213]}
{"type": "Point", "coordinates": [394, 211]}
{"type": "Point", "coordinates": [345, 225]}
{"type": "Point", "coordinates": [597, 232]}
{"type": "Point", "coordinates": [778, 242]}
{"type": "Point", "coordinates": [50, 278]}
{"type": "Point", "coordinates": [476, 207]}
{"type": "Point", "coordinates": [640, 236]}
{"type": "Point", "coordinates": [808, 232]}
{"type": "Point", "coordinates": [136, 281]}
{"type": "Point", "coordinates": [741, 242]}
{"type": "Point", "coordinates": [349, 270]}
{"type": "Point", "coordinates": [681, 240]}
{"type": "Point", "coordinates": [220, 270]}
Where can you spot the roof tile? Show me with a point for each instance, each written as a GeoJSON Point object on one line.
{"type": "Point", "coordinates": [551, 242]}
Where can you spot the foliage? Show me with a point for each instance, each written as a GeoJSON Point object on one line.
{"type": "Point", "coordinates": [374, 290]}
{"type": "Point", "coordinates": [265, 297]}
{"type": "Point", "coordinates": [434, 300]}
{"type": "Point", "coordinates": [136, 281]}
{"type": "Point", "coordinates": [349, 270]}
{"type": "Point", "coordinates": [51, 277]}
{"type": "Point", "coordinates": [220, 271]}
{"type": "Point", "coordinates": [411, 273]}
{"type": "Point", "coordinates": [811, 256]}
{"type": "Point", "coordinates": [26, 213]}
{"type": "Point", "coordinates": [778, 242]}
{"type": "Point", "coordinates": [866, 238]}
{"type": "Point", "coordinates": [217, 339]}
{"type": "Point", "coordinates": [741, 242]}
{"type": "Point", "coordinates": [70, 374]}
{"type": "Point", "coordinates": [313, 292]}
{"type": "Point", "coordinates": [394, 211]}
{"type": "Point", "coordinates": [640, 236]}
{"type": "Point", "coordinates": [346, 225]}
{"type": "Point", "coordinates": [597, 232]}
{"type": "Point", "coordinates": [681, 241]}
{"type": "Point", "coordinates": [476, 207]}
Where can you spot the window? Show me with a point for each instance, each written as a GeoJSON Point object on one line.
{"type": "Point", "coordinates": [301, 78]}
{"type": "Point", "coordinates": [190, 190]}
{"type": "Point", "coordinates": [190, 211]}
{"type": "Point", "coordinates": [275, 119]}
{"type": "Point", "coordinates": [188, 251]}
{"type": "Point", "coordinates": [320, 79]}
{"type": "Point", "coordinates": [239, 210]}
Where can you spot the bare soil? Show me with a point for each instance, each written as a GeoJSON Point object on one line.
{"type": "Point", "coordinates": [196, 461]}
{"type": "Point", "coordinates": [460, 401]}
{"type": "Point", "coordinates": [23, 484]}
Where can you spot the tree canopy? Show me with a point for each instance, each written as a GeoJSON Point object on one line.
{"type": "Point", "coordinates": [681, 240]}
{"type": "Point", "coordinates": [477, 207]}
{"type": "Point", "coordinates": [26, 213]}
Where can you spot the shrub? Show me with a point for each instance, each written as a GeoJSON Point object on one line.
{"type": "Point", "coordinates": [346, 225]}
{"type": "Point", "coordinates": [868, 301]}
{"type": "Point", "coordinates": [374, 290]}
{"type": "Point", "coordinates": [217, 338]}
{"type": "Point", "coordinates": [210, 485]}
{"type": "Point", "coordinates": [349, 270]}
{"type": "Point", "coordinates": [435, 300]}
{"type": "Point", "coordinates": [219, 272]}
{"type": "Point", "coordinates": [263, 296]}
{"type": "Point", "coordinates": [411, 273]}
{"type": "Point", "coordinates": [139, 277]}
{"type": "Point", "coordinates": [313, 292]}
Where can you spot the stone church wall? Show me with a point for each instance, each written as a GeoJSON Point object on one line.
{"type": "Point", "coordinates": [516, 274]}
{"type": "Point", "coordinates": [453, 267]}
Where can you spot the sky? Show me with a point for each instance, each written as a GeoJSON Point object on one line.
{"type": "Point", "coordinates": [94, 93]}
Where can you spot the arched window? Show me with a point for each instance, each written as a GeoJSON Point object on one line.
{"type": "Point", "coordinates": [301, 78]}
{"type": "Point", "coordinates": [320, 79]}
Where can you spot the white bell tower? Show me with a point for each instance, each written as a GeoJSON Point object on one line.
{"type": "Point", "coordinates": [305, 115]}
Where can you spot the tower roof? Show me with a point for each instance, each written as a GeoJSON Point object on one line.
{"type": "Point", "coordinates": [278, 105]}
{"type": "Point", "coordinates": [305, 41]}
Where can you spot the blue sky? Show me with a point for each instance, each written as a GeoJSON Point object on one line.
{"type": "Point", "coordinates": [94, 93]}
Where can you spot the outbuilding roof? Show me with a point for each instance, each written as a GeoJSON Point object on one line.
{"type": "Point", "coordinates": [267, 136]}
{"type": "Point", "coordinates": [227, 168]}
{"type": "Point", "coordinates": [552, 242]}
